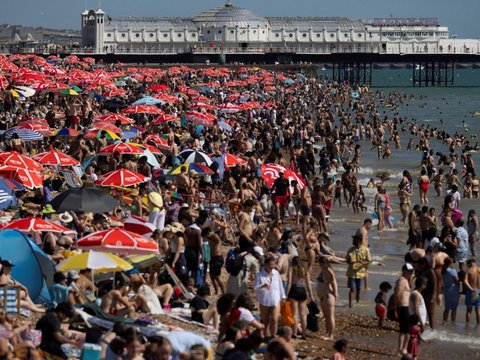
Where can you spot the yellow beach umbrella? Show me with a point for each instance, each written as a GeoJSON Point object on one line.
{"type": "Point", "coordinates": [96, 261]}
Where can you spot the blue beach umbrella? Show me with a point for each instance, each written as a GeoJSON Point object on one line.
{"type": "Point", "coordinates": [148, 100]}
{"type": "Point", "coordinates": [289, 82]}
{"type": "Point", "coordinates": [24, 134]}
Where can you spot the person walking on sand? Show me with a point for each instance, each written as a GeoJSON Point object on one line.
{"type": "Point", "coordinates": [358, 258]}
{"type": "Point", "coordinates": [402, 298]}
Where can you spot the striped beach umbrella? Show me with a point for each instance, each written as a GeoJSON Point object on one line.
{"type": "Point", "coordinates": [121, 177]}
{"type": "Point", "coordinates": [24, 134]}
{"type": "Point", "coordinates": [200, 169]}
{"type": "Point", "coordinates": [17, 160]}
{"type": "Point", "coordinates": [56, 158]}
{"type": "Point", "coordinates": [195, 156]}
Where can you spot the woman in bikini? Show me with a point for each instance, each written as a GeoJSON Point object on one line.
{"type": "Point", "coordinates": [423, 184]}
{"type": "Point", "coordinates": [312, 246]}
{"type": "Point", "coordinates": [380, 207]}
{"type": "Point", "coordinates": [327, 291]}
{"type": "Point", "coordinates": [318, 209]}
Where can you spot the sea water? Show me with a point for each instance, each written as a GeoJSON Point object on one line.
{"type": "Point", "coordinates": [444, 108]}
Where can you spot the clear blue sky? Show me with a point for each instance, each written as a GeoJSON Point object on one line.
{"type": "Point", "coordinates": [460, 16]}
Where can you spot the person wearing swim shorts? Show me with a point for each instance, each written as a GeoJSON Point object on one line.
{"type": "Point", "coordinates": [402, 299]}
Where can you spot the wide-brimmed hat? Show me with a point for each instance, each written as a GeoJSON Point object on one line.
{"type": "Point", "coordinates": [65, 217]}
{"type": "Point", "coordinates": [7, 263]}
{"type": "Point", "coordinates": [48, 209]}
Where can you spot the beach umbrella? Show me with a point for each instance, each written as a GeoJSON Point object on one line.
{"type": "Point", "coordinates": [167, 98]}
{"type": "Point", "coordinates": [69, 92]}
{"type": "Point", "coordinates": [108, 126]}
{"type": "Point", "coordinates": [148, 100]}
{"type": "Point", "coordinates": [225, 126]}
{"type": "Point", "coordinates": [87, 199]}
{"type": "Point", "coordinates": [158, 88]}
{"type": "Point", "coordinates": [24, 134]}
{"type": "Point", "coordinates": [117, 241]}
{"type": "Point", "coordinates": [56, 158]}
{"type": "Point", "coordinates": [97, 133]}
{"type": "Point", "coordinates": [29, 179]}
{"type": "Point", "coordinates": [147, 109]}
{"type": "Point", "coordinates": [31, 223]}
{"type": "Point", "coordinates": [164, 118]}
{"type": "Point", "coordinates": [121, 177]}
{"type": "Point", "coordinates": [195, 156]}
{"type": "Point", "coordinates": [200, 169]}
{"type": "Point", "coordinates": [148, 147]}
{"type": "Point", "coordinates": [113, 118]}
{"type": "Point", "coordinates": [115, 92]}
{"type": "Point", "coordinates": [41, 128]}
{"type": "Point", "coordinates": [96, 261]}
{"type": "Point", "coordinates": [66, 132]}
{"type": "Point", "coordinates": [11, 184]}
{"type": "Point", "coordinates": [158, 141]}
{"type": "Point", "coordinates": [202, 105]}
{"type": "Point", "coordinates": [131, 133]}
{"type": "Point", "coordinates": [16, 160]}
{"type": "Point", "coordinates": [139, 226]}
{"type": "Point", "coordinates": [233, 160]}
{"type": "Point", "coordinates": [121, 148]}
{"type": "Point", "coordinates": [229, 108]}
{"type": "Point", "coordinates": [23, 91]}
{"type": "Point", "coordinates": [199, 118]}
{"type": "Point", "coordinates": [270, 172]}
{"type": "Point", "coordinates": [7, 195]}
{"type": "Point", "coordinates": [289, 82]}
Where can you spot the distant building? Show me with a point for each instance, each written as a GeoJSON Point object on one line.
{"type": "Point", "coordinates": [230, 29]}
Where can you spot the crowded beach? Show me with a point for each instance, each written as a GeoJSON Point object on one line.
{"type": "Point", "coordinates": [197, 213]}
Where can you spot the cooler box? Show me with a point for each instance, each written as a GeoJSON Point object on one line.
{"type": "Point", "coordinates": [91, 352]}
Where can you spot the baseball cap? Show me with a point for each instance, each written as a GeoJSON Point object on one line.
{"type": "Point", "coordinates": [434, 242]}
{"type": "Point", "coordinates": [258, 250]}
{"type": "Point", "coordinates": [73, 274]}
{"type": "Point", "coordinates": [407, 267]}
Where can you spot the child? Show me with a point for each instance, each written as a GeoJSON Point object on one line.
{"type": "Point", "coordinates": [415, 338]}
{"type": "Point", "coordinates": [338, 193]}
{"type": "Point", "coordinates": [340, 350]}
{"type": "Point", "coordinates": [381, 302]}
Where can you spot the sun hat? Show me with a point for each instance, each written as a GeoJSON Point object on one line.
{"type": "Point", "coordinates": [48, 209]}
{"type": "Point", "coordinates": [408, 267]}
{"type": "Point", "coordinates": [7, 263]}
{"type": "Point", "coordinates": [73, 274]}
{"type": "Point", "coordinates": [65, 217]}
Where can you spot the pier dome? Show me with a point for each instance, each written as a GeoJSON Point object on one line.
{"type": "Point", "coordinates": [230, 16]}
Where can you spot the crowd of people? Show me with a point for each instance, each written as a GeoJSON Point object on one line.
{"type": "Point", "coordinates": [256, 244]}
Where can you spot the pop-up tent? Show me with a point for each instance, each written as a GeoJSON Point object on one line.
{"type": "Point", "coordinates": [33, 268]}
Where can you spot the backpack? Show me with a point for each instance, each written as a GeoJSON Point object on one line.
{"type": "Point", "coordinates": [235, 262]}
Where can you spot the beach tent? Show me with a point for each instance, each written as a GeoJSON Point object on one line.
{"type": "Point", "coordinates": [33, 268]}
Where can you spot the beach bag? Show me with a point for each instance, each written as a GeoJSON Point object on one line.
{"type": "Point", "coordinates": [312, 320]}
{"type": "Point", "coordinates": [287, 318]}
{"type": "Point", "coordinates": [235, 262]}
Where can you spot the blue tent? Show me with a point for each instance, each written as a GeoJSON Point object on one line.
{"type": "Point", "coordinates": [33, 268]}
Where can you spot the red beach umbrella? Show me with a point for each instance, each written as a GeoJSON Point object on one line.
{"type": "Point", "coordinates": [163, 119]}
{"type": "Point", "coordinates": [270, 172]}
{"type": "Point", "coordinates": [139, 226]}
{"type": "Point", "coordinates": [16, 160]}
{"type": "Point", "coordinates": [36, 224]}
{"type": "Point", "coordinates": [56, 158]}
{"type": "Point", "coordinates": [121, 148]}
{"type": "Point", "coordinates": [121, 177]}
{"type": "Point", "coordinates": [117, 241]}
{"type": "Point", "coordinates": [29, 179]}
{"type": "Point", "coordinates": [113, 118]}
{"type": "Point", "coordinates": [147, 109]}
{"type": "Point", "coordinates": [199, 118]}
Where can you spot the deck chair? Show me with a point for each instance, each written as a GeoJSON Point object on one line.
{"type": "Point", "coordinates": [70, 179]}
{"type": "Point", "coordinates": [10, 299]}
{"type": "Point", "coordinates": [94, 309]}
